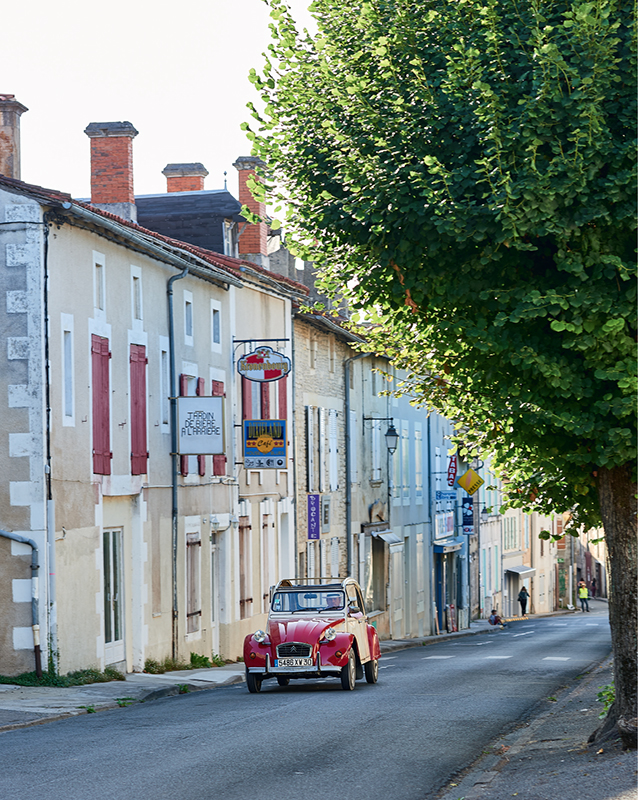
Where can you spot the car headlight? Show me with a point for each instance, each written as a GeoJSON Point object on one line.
{"type": "Point", "coordinates": [259, 636]}
{"type": "Point", "coordinates": [329, 634]}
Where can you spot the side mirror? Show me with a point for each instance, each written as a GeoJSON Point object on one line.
{"type": "Point", "coordinates": [353, 608]}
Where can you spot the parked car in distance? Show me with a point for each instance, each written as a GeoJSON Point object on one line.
{"type": "Point", "coordinates": [317, 628]}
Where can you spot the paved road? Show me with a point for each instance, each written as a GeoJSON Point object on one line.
{"type": "Point", "coordinates": [432, 712]}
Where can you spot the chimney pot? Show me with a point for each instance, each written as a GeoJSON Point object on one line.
{"type": "Point", "coordinates": [10, 112]}
{"type": "Point", "coordinates": [112, 167]}
{"type": "Point", "coordinates": [185, 177]}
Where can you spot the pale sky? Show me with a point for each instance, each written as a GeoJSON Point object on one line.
{"type": "Point", "coordinates": [176, 70]}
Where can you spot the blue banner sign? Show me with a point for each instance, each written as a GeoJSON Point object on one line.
{"type": "Point", "coordinates": [467, 509]}
{"type": "Point", "coordinates": [314, 517]}
{"type": "Point", "coordinates": [446, 496]}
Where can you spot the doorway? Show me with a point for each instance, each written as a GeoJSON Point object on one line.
{"type": "Point", "coordinates": [113, 596]}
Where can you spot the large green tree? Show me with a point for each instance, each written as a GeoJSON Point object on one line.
{"type": "Point", "coordinates": [464, 171]}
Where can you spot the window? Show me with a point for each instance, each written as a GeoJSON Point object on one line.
{"type": "Point", "coordinates": [99, 288]}
{"type": "Point", "coordinates": [136, 295]}
{"type": "Point", "coordinates": [282, 397]}
{"type": "Point", "coordinates": [251, 399]}
{"type": "Point", "coordinates": [139, 454]}
{"type": "Point", "coordinates": [100, 356]}
{"type": "Point", "coordinates": [310, 448]}
{"type": "Point", "coordinates": [68, 373]}
{"type": "Point", "coordinates": [418, 462]}
{"type": "Point", "coordinates": [219, 461]}
{"type": "Point", "coordinates": [310, 559]}
{"type": "Point", "coordinates": [188, 387]}
{"type": "Point", "coordinates": [405, 461]}
{"type": "Point", "coordinates": [112, 566]}
{"type": "Point", "coordinates": [325, 514]}
{"type": "Point", "coordinates": [397, 462]}
{"type": "Point", "coordinates": [216, 326]}
{"type": "Point", "coordinates": [354, 439]}
{"type": "Point", "coordinates": [321, 441]}
{"type": "Point", "coordinates": [188, 318]}
{"type": "Point", "coordinates": [193, 581]}
{"type": "Point", "coordinates": [165, 382]}
{"type": "Point", "coordinates": [376, 451]}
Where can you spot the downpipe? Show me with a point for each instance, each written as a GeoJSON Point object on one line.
{"type": "Point", "coordinates": [35, 620]}
{"type": "Point", "coordinates": [174, 455]}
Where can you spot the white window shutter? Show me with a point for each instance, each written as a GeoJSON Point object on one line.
{"type": "Point", "coordinates": [311, 559]}
{"type": "Point", "coordinates": [332, 450]}
{"type": "Point", "coordinates": [334, 557]}
{"type": "Point", "coordinates": [354, 440]}
{"type": "Point", "coordinates": [321, 434]}
{"type": "Point", "coordinates": [310, 447]}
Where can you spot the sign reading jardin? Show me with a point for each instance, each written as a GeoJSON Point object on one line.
{"type": "Point", "coordinates": [265, 444]}
{"type": "Point", "coordinates": [264, 365]}
{"type": "Point", "coordinates": [201, 426]}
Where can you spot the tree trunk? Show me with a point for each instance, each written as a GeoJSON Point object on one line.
{"type": "Point", "coordinates": [617, 496]}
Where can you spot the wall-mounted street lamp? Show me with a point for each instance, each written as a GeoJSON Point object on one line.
{"type": "Point", "coordinates": [484, 516]}
{"type": "Point", "coordinates": [391, 435]}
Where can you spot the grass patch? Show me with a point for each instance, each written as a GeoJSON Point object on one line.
{"type": "Point", "coordinates": [168, 664]}
{"type": "Point", "coordinates": [78, 678]}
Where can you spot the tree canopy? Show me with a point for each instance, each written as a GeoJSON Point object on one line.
{"type": "Point", "coordinates": [464, 170]}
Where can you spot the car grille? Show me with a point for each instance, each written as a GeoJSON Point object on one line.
{"type": "Point", "coordinates": [298, 649]}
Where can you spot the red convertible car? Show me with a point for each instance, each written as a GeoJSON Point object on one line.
{"type": "Point", "coordinates": [317, 628]}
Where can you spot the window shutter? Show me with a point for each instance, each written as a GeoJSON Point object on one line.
{"type": "Point", "coordinates": [333, 459]}
{"type": "Point", "coordinates": [183, 391]}
{"type": "Point", "coordinates": [246, 398]}
{"type": "Point", "coordinates": [265, 400]}
{"type": "Point", "coordinates": [217, 389]}
{"type": "Point", "coordinates": [334, 557]}
{"type": "Point", "coordinates": [321, 434]}
{"type": "Point", "coordinates": [219, 461]}
{"type": "Point", "coordinates": [201, 460]}
{"type": "Point", "coordinates": [100, 356]}
{"type": "Point", "coordinates": [354, 442]}
{"type": "Point", "coordinates": [282, 386]}
{"type": "Point", "coordinates": [139, 453]}
{"type": "Point", "coordinates": [310, 447]}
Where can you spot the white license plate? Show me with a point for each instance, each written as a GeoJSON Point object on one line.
{"type": "Point", "coordinates": [293, 662]}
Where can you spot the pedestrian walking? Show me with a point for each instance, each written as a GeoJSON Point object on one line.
{"type": "Point", "coordinates": [593, 587]}
{"type": "Point", "coordinates": [583, 594]}
{"type": "Point", "coordinates": [523, 596]}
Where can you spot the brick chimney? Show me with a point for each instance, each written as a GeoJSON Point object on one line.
{"type": "Point", "coordinates": [185, 177]}
{"type": "Point", "coordinates": [10, 111]}
{"type": "Point", "coordinates": [112, 167]}
{"type": "Point", "coordinates": [253, 239]}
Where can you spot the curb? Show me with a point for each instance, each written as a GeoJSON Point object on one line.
{"type": "Point", "coordinates": [152, 695]}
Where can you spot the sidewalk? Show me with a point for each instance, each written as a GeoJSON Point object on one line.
{"type": "Point", "coordinates": [548, 757]}
{"type": "Point", "coordinates": [22, 706]}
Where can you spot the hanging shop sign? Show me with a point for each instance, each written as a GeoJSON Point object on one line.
{"type": "Point", "coordinates": [265, 444]}
{"type": "Point", "coordinates": [200, 425]}
{"type": "Point", "coordinates": [314, 517]}
{"type": "Point", "coordinates": [264, 365]}
{"type": "Point", "coordinates": [451, 470]}
{"type": "Point", "coordinates": [467, 511]}
{"type": "Point", "coordinates": [470, 481]}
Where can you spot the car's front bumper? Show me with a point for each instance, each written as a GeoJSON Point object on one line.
{"type": "Point", "coordinates": [316, 671]}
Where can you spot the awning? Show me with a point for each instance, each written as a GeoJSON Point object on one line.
{"type": "Point", "coordinates": [447, 547]}
{"type": "Point", "coordinates": [387, 535]}
{"type": "Point", "coordinates": [526, 571]}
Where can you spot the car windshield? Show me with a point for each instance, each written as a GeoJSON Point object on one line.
{"type": "Point", "coordinates": [294, 602]}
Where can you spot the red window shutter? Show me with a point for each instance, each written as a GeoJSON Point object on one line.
{"type": "Point", "coordinates": [283, 397]}
{"type": "Point", "coordinates": [201, 460]}
{"type": "Point", "coordinates": [219, 464]}
{"type": "Point", "coordinates": [218, 389]}
{"type": "Point", "coordinates": [246, 398]}
{"type": "Point", "coordinates": [100, 356]}
{"type": "Point", "coordinates": [139, 453]}
{"type": "Point", "coordinates": [265, 400]}
{"type": "Point", "coordinates": [183, 392]}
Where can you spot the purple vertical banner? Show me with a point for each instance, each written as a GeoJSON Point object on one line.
{"type": "Point", "coordinates": [467, 505]}
{"type": "Point", "coordinates": [314, 517]}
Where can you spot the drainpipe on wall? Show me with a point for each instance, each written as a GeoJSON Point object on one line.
{"type": "Point", "coordinates": [35, 621]}
{"type": "Point", "coordinates": [346, 376]}
{"type": "Point", "coordinates": [174, 455]}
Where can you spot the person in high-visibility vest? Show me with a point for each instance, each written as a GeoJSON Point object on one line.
{"type": "Point", "coordinates": [583, 595]}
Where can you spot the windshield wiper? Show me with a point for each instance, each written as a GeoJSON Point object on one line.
{"type": "Point", "coordinates": [304, 610]}
{"type": "Point", "coordinates": [336, 610]}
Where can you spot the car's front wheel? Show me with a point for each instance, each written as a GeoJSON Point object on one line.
{"type": "Point", "coordinates": [253, 681]}
{"type": "Point", "coordinates": [349, 672]}
{"type": "Point", "coordinates": [371, 669]}
{"type": "Point", "coordinates": [282, 681]}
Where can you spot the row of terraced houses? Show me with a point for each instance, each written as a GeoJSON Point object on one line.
{"type": "Point", "coordinates": [118, 543]}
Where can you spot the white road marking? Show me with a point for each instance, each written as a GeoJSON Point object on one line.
{"type": "Point", "coordinates": [429, 657]}
{"type": "Point", "coordinates": [495, 658]}
{"type": "Point", "coordinates": [591, 624]}
{"type": "Point", "coordinates": [527, 633]}
{"type": "Point", "coordinates": [558, 624]}
{"type": "Point", "coordinates": [555, 658]}
{"type": "Point", "coordinates": [387, 666]}
{"type": "Point", "coordinates": [387, 658]}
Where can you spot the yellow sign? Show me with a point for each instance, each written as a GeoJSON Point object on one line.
{"type": "Point", "coordinates": [471, 481]}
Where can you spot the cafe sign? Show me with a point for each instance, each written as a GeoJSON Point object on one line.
{"type": "Point", "coordinates": [264, 365]}
{"type": "Point", "coordinates": [265, 443]}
